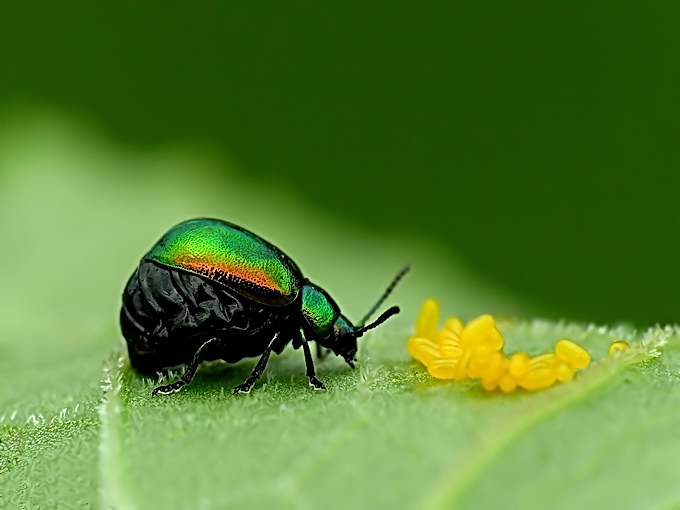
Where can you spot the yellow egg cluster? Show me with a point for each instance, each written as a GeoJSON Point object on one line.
{"type": "Point", "coordinates": [474, 351]}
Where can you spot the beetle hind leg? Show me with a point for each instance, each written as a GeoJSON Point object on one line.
{"type": "Point", "coordinates": [190, 371]}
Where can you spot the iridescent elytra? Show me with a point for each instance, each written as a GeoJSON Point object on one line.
{"type": "Point", "coordinates": [209, 289]}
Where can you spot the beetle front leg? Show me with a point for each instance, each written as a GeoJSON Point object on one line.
{"type": "Point", "coordinates": [189, 373]}
{"type": "Point", "coordinates": [311, 373]}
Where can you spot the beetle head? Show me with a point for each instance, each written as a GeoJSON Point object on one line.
{"type": "Point", "coordinates": [333, 330]}
{"type": "Point", "coordinates": [344, 339]}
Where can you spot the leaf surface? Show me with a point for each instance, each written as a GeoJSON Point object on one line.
{"type": "Point", "coordinates": [79, 428]}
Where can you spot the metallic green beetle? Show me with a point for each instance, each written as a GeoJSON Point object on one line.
{"type": "Point", "coordinates": [209, 289]}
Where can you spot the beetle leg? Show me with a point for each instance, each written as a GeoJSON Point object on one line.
{"type": "Point", "coordinates": [311, 373]}
{"type": "Point", "coordinates": [189, 373]}
{"type": "Point", "coordinates": [257, 371]}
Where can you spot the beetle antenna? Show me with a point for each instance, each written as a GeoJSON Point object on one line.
{"type": "Point", "coordinates": [386, 315]}
{"type": "Point", "coordinates": [389, 290]}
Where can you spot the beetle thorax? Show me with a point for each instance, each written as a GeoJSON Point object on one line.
{"type": "Point", "coordinates": [319, 310]}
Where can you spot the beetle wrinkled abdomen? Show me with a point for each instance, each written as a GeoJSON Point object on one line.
{"type": "Point", "coordinates": [167, 314]}
{"type": "Point", "coordinates": [232, 256]}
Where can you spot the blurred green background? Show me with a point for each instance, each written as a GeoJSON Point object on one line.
{"type": "Point", "coordinates": [536, 141]}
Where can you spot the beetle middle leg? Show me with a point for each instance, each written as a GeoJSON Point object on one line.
{"type": "Point", "coordinates": [190, 371]}
{"type": "Point", "coordinates": [259, 368]}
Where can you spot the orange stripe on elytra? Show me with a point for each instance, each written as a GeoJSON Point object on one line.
{"type": "Point", "coordinates": [215, 271]}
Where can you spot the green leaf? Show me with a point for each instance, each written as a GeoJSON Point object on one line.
{"type": "Point", "coordinates": [78, 427]}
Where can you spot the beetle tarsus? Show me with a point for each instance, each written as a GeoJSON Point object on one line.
{"type": "Point", "coordinates": [316, 384]}
{"type": "Point", "coordinates": [168, 388]}
{"type": "Point", "coordinates": [245, 387]}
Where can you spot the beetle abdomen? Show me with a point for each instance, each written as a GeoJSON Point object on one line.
{"type": "Point", "coordinates": [231, 256]}
{"type": "Point", "coordinates": [168, 314]}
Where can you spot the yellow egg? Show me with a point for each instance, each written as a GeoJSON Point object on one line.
{"type": "Point", "coordinates": [507, 383]}
{"type": "Point", "coordinates": [572, 354]}
{"type": "Point", "coordinates": [481, 332]}
{"type": "Point", "coordinates": [538, 379]}
{"type": "Point", "coordinates": [426, 324]}
{"type": "Point", "coordinates": [423, 349]}
{"type": "Point", "coordinates": [549, 360]}
{"type": "Point", "coordinates": [474, 371]}
{"type": "Point", "coordinates": [479, 361]}
{"type": "Point", "coordinates": [449, 345]}
{"type": "Point", "coordinates": [489, 385]}
{"type": "Point", "coordinates": [482, 356]}
{"type": "Point", "coordinates": [494, 371]}
{"type": "Point", "coordinates": [617, 347]}
{"type": "Point", "coordinates": [443, 368]}
{"type": "Point", "coordinates": [463, 364]}
{"type": "Point", "coordinates": [519, 364]}
{"type": "Point", "coordinates": [564, 372]}
{"type": "Point", "coordinates": [454, 325]}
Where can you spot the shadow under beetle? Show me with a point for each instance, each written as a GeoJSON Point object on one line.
{"type": "Point", "coordinates": [212, 290]}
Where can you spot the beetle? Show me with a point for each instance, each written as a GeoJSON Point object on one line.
{"type": "Point", "coordinates": [210, 289]}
